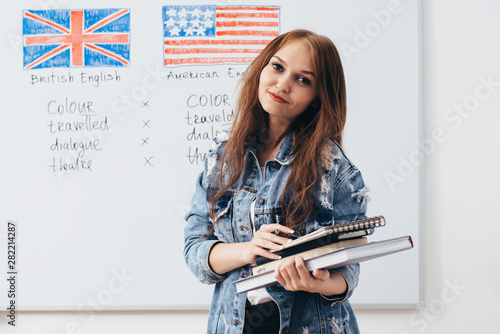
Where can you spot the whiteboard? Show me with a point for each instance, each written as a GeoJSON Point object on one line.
{"type": "Point", "coordinates": [99, 162]}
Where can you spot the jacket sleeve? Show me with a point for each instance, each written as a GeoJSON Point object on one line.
{"type": "Point", "coordinates": [349, 203]}
{"type": "Point", "coordinates": [199, 237]}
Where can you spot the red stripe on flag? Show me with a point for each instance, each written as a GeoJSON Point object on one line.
{"type": "Point", "coordinates": [247, 33]}
{"type": "Point", "coordinates": [77, 37]}
{"type": "Point", "coordinates": [86, 38]}
{"type": "Point", "coordinates": [246, 24]}
{"type": "Point", "coordinates": [247, 15]}
{"type": "Point", "coordinates": [211, 50]}
{"type": "Point", "coordinates": [249, 8]}
{"type": "Point", "coordinates": [210, 60]}
{"type": "Point", "coordinates": [46, 39]}
{"type": "Point", "coordinates": [185, 42]}
{"type": "Point", "coordinates": [115, 38]}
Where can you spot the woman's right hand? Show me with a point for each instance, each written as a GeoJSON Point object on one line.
{"type": "Point", "coordinates": [268, 239]}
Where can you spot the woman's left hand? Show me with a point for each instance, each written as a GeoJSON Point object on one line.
{"type": "Point", "coordinates": [293, 275]}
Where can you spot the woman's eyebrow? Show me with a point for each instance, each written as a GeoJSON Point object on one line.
{"type": "Point", "coordinates": [303, 71]}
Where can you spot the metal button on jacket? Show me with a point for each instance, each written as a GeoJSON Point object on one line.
{"type": "Point", "coordinates": [261, 201]}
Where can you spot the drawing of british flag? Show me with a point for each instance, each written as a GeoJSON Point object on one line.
{"type": "Point", "coordinates": [76, 38]}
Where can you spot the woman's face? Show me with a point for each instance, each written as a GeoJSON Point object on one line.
{"type": "Point", "coordinates": [287, 84]}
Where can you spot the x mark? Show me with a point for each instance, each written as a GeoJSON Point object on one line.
{"type": "Point", "coordinates": [148, 161]}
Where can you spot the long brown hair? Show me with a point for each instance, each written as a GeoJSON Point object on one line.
{"type": "Point", "coordinates": [325, 118]}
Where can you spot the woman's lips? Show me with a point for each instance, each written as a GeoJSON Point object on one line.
{"type": "Point", "coordinates": [277, 98]}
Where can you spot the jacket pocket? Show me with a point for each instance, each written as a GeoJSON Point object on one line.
{"type": "Point", "coordinates": [318, 219]}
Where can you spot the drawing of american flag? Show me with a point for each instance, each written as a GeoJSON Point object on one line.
{"type": "Point", "coordinates": [76, 38]}
{"type": "Point", "coordinates": [210, 34]}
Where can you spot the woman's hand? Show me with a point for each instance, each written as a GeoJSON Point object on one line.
{"type": "Point", "coordinates": [226, 257]}
{"type": "Point", "coordinates": [293, 275]}
{"type": "Point", "coordinates": [267, 239]}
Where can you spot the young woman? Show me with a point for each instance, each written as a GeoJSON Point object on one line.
{"type": "Point", "coordinates": [280, 169]}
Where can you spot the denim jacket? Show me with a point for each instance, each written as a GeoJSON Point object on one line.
{"type": "Point", "coordinates": [339, 196]}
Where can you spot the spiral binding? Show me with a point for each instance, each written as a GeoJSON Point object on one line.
{"type": "Point", "coordinates": [361, 224]}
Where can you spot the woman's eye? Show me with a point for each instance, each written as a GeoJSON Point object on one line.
{"type": "Point", "coordinates": [277, 67]}
{"type": "Point", "coordinates": [304, 80]}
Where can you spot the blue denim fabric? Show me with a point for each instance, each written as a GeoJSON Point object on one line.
{"type": "Point", "coordinates": [339, 196]}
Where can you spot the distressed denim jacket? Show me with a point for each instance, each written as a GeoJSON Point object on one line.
{"type": "Point", "coordinates": [340, 196]}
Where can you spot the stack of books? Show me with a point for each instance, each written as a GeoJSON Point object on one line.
{"type": "Point", "coordinates": [327, 248]}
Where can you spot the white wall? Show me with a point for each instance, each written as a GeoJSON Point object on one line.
{"type": "Point", "coordinates": [461, 262]}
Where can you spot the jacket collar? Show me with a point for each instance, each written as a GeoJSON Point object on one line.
{"type": "Point", "coordinates": [284, 156]}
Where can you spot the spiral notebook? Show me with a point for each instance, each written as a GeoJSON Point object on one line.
{"type": "Point", "coordinates": [328, 235]}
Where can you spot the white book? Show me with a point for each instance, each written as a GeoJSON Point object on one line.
{"type": "Point", "coordinates": [334, 259]}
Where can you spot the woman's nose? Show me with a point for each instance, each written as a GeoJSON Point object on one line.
{"type": "Point", "coordinates": [283, 84]}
